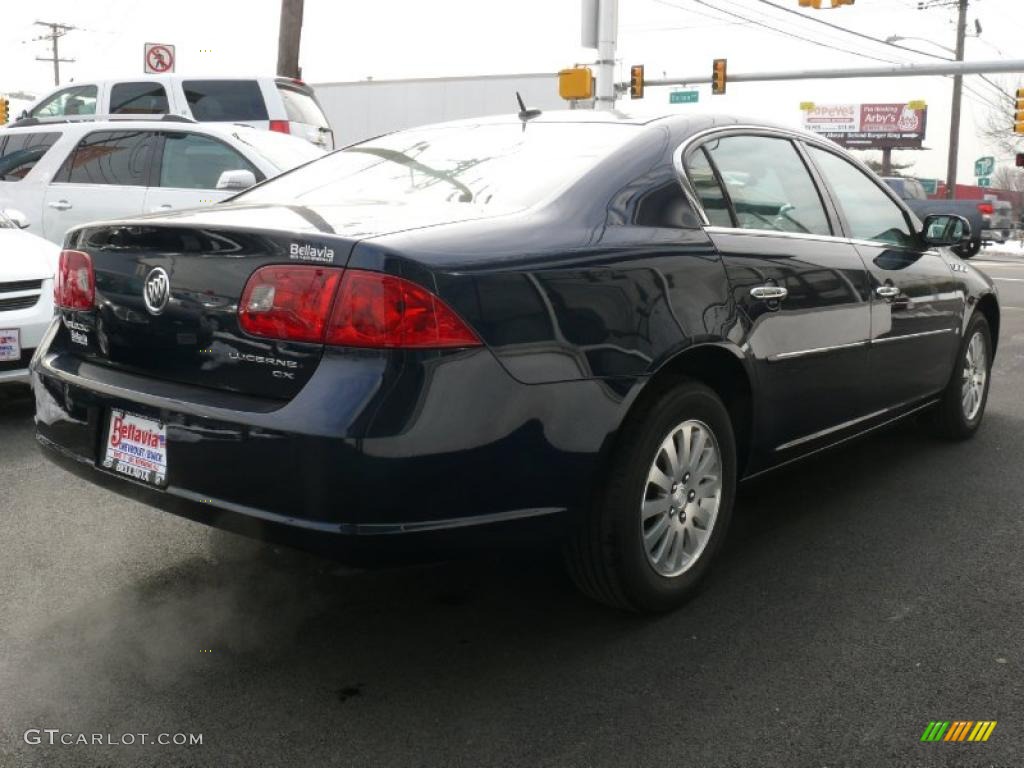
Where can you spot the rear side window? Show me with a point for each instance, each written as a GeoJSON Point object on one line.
{"type": "Point", "coordinates": [20, 153]}
{"type": "Point", "coordinates": [111, 157]}
{"type": "Point", "coordinates": [138, 99]}
{"type": "Point", "coordinates": [193, 161]}
{"type": "Point", "coordinates": [769, 185]}
{"type": "Point", "coordinates": [301, 107]}
{"type": "Point", "coordinates": [225, 100]}
{"type": "Point", "coordinates": [709, 190]}
{"type": "Point", "coordinates": [79, 100]}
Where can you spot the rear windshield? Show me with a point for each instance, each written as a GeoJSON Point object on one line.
{"type": "Point", "coordinates": [21, 151]}
{"type": "Point", "coordinates": [499, 164]}
{"type": "Point", "coordinates": [302, 107]}
{"type": "Point", "coordinates": [225, 100]}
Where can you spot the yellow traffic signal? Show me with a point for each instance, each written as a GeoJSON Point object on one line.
{"type": "Point", "coordinates": [718, 77]}
{"type": "Point", "coordinates": [576, 83]}
{"type": "Point", "coordinates": [636, 81]}
{"type": "Point", "coordinates": [817, 3]}
{"type": "Point", "coordinates": [5, 108]}
{"type": "Point", "coordinates": [1018, 116]}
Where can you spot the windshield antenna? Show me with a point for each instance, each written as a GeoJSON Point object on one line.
{"type": "Point", "coordinates": [524, 113]}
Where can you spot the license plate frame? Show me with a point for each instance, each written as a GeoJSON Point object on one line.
{"type": "Point", "coordinates": [8, 337]}
{"type": "Point", "coordinates": [135, 446]}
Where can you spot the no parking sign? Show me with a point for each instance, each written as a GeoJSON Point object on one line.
{"type": "Point", "coordinates": [158, 59]}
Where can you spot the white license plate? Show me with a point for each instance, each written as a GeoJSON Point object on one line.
{"type": "Point", "coordinates": [136, 447]}
{"type": "Point", "coordinates": [10, 344]}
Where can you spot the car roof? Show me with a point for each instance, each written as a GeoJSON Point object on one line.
{"type": "Point", "coordinates": [154, 123]}
{"type": "Point", "coordinates": [682, 123]}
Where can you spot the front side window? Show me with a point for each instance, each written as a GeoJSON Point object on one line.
{"type": "Point", "coordinates": [21, 151]}
{"type": "Point", "coordinates": [870, 213]}
{"type": "Point", "coordinates": [769, 185]}
{"type": "Point", "coordinates": [80, 100]}
{"type": "Point", "coordinates": [111, 157]}
{"type": "Point", "coordinates": [138, 99]}
{"type": "Point", "coordinates": [193, 161]}
{"type": "Point", "coordinates": [225, 100]}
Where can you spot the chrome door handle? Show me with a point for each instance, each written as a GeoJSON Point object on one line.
{"type": "Point", "coordinates": [60, 205]}
{"type": "Point", "coordinates": [769, 292]}
{"type": "Point", "coordinates": [887, 291]}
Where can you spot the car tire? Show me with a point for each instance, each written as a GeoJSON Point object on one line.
{"type": "Point", "coordinates": [612, 554]}
{"type": "Point", "coordinates": [959, 414]}
{"type": "Point", "coordinates": [968, 251]}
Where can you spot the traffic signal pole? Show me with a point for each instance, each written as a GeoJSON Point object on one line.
{"type": "Point", "coordinates": [958, 94]}
{"type": "Point", "coordinates": [896, 70]}
{"type": "Point", "coordinates": [289, 38]}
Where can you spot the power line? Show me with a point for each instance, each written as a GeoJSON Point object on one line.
{"type": "Point", "coordinates": [779, 31]}
{"type": "Point", "coordinates": [851, 31]}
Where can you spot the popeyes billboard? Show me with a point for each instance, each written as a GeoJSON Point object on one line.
{"type": "Point", "coordinates": [869, 126]}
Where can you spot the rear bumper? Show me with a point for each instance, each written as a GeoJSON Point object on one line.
{"type": "Point", "coordinates": [427, 447]}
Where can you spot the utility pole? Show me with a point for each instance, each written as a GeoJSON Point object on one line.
{"type": "Point", "coordinates": [57, 31]}
{"type": "Point", "coordinates": [958, 91]}
{"type": "Point", "coordinates": [289, 38]}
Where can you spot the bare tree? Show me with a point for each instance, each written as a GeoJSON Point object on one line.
{"type": "Point", "coordinates": [1010, 179]}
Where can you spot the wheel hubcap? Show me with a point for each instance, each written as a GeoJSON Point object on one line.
{"type": "Point", "coordinates": [975, 375]}
{"type": "Point", "coordinates": [681, 498]}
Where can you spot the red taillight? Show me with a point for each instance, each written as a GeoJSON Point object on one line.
{"type": "Point", "coordinates": [288, 302]}
{"type": "Point", "coordinates": [75, 287]}
{"type": "Point", "coordinates": [281, 126]}
{"type": "Point", "coordinates": [383, 311]}
{"type": "Point", "coordinates": [986, 209]}
{"type": "Point", "coordinates": [370, 309]}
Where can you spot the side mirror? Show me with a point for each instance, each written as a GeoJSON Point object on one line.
{"type": "Point", "coordinates": [19, 219]}
{"type": "Point", "coordinates": [945, 229]}
{"type": "Point", "coordinates": [236, 180]}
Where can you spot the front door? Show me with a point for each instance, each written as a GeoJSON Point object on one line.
{"type": "Point", "coordinates": [802, 288]}
{"type": "Point", "coordinates": [916, 304]}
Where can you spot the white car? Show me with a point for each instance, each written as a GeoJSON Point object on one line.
{"type": "Point", "coordinates": [280, 104]}
{"type": "Point", "coordinates": [60, 174]}
{"type": "Point", "coordinates": [27, 265]}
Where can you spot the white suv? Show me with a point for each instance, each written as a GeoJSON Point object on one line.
{"type": "Point", "coordinates": [59, 174]}
{"type": "Point", "coordinates": [279, 104]}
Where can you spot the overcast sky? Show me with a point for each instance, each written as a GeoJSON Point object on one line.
{"type": "Point", "coordinates": [413, 38]}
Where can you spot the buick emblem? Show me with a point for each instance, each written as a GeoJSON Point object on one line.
{"type": "Point", "coordinates": [157, 291]}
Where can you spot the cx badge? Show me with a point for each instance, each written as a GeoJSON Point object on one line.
{"type": "Point", "coordinates": [156, 291]}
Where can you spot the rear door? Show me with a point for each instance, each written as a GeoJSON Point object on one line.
{"type": "Point", "coordinates": [916, 304]}
{"type": "Point", "coordinates": [104, 177]}
{"type": "Point", "coordinates": [187, 168]}
{"type": "Point", "coordinates": [802, 287]}
{"type": "Point", "coordinates": [147, 97]}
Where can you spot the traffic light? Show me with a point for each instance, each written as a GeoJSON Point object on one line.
{"type": "Point", "coordinates": [1020, 159]}
{"type": "Point", "coordinates": [576, 83]}
{"type": "Point", "coordinates": [817, 3]}
{"type": "Point", "coordinates": [718, 77]}
{"type": "Point", "coordinates": [636, 81]}
{"type": "Point", "coordinates": [1018, 116]}
{"type": "Point", "coordinates": [5, 109]}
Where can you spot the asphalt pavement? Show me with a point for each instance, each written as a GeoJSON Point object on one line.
{"type": "Point", "coordinates": [861, 596]}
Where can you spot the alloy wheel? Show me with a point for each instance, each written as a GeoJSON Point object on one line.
{"type": "Point", "coordinates": [975, 374]}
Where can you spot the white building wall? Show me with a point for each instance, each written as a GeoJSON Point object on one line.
{"type": "Point", "coordinates": [366, 108]}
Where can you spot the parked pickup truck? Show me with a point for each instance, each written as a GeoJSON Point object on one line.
{"type": "Point", "coordinates": [977, 212]}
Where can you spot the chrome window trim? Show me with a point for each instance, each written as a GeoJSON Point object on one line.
{"type": "Point", "coordinates": [747, 129]}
